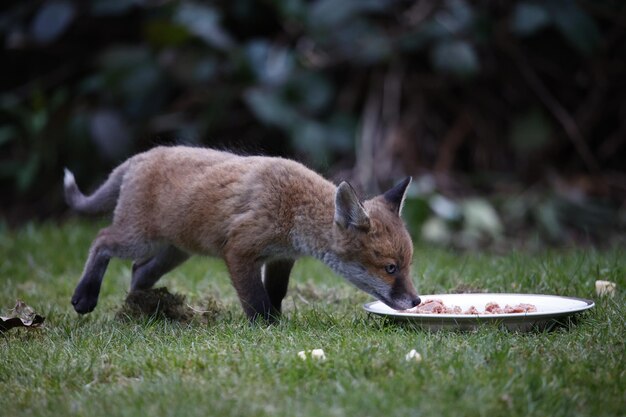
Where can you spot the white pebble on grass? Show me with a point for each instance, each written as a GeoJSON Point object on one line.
{"type": "Point", "coordinates": [318, 354]}
{"type": "Point", "coordinates": [315, 354]}
{"type": "Point", "coordinates": [605, 288]}
{"type": "Point", "coordinates": [413, 356]}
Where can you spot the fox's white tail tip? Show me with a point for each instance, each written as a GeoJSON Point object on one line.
{"type": "Point", "coordinates": [68, 178]}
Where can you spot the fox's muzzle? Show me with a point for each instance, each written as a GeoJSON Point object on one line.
{"type": "Point", "coordinates": [403, 303]}
{"type": "Point", "coordinates": [402, 295]}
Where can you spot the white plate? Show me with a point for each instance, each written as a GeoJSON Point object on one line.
{"type": "Point", "coordinates": [551, 309]}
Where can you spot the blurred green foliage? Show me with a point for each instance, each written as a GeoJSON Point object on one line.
{"type": "Point", "coordinates": [528, 221]}
{"type": "Point", "coordinates": [87, 83]}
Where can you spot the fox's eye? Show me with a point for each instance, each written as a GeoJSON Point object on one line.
{"type": "Point", "coordinates": [391, 269]}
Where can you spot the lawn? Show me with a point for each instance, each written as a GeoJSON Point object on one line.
{"type": "Point", "coordinates": [100, 365]}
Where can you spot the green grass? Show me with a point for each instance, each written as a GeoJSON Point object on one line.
{"type": "Point", "coordinates": [99, 366]}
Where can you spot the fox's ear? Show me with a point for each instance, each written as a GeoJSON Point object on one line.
{"type": "Point", "coordinates": [395, 196]}
{"type": "Point", "coordinates": [348, 209]}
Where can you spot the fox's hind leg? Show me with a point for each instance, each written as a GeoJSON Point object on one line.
{"type": "Point", "coordinates": [147, 273]}
{"type": "Point", "coordinates": [111, 242]}
{"type": "Point", "coordinates": [276, 281]}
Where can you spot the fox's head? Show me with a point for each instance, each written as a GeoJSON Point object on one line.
{"type": "Point", "coordinates": [373, 249]}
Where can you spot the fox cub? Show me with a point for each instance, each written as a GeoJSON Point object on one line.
{"type": "Point", "coordinates": [257, 213]}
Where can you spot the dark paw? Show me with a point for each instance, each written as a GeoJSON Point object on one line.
{"type": "Point", "coordinates": [83, 301]}
{"type": "Point", "coordinates": [263, 318]}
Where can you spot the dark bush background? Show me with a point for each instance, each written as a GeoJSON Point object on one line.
{"type": "Point", "coordinates": [520, 101]}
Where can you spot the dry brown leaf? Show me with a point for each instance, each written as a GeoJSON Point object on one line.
{"type": "Point", "coordinates": [22, 315]}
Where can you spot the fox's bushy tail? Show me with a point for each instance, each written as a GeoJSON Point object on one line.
{"type": "Point", "coordinates": [103, 200]}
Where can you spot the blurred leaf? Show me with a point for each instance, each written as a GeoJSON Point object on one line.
{"type": "Point", "coordinates": [530, 131]}
{"type": "Point", "coordinates": [309, 137]}
{"type": "Point", "coordinates": [271, 65]}
{"type": "Point", "coordinates": [340, 133]}
{"type": "Point", "coordinates": [52, 20]}
{"type": "Point", "coordinates": [36, 122]}
{"type": "Point", "coordinates": [9, 102]}
{"type": "Point", "coordinates": [78, 128]}
{"type": "Point", "coordinates": [291, 9]}
{"type": "Point", "coordinates": [59, 97]}
{"type": "Point", "coordinates": [27, 173]}
{"type": "Point", "coordinates": [415, 213]}
{"type": "Point", "coordinates": [575, 25]}
{"type": "Point", "coordinates": [450, 22]}
{"type": "Point", "coordinates": [9, 168]}
{"type": "Point", "coordinates": [423, 185]}
{"type": "Point", "coordinates": [373, 47]}
{"type": "Point", "coordinates": [480, 216]}
{"type": "Point", "coordinates": [320, 139]}
{"type": "Point", "coordinates": [92, 84]}
{"type": "Point", "coordinates": [415, 40]}
{"type": "Point", "coordinates": [205, 69]}
{"type": "Point", "coordinates": [163, 33]}
{"type": "Point", "coordinates": [110, 134]}
{"type": "Point", "coordinates": [329, 13]}
{"type": "Point", "coordinates": [358, 40]}
{"type": "Point", "coordinates": [455, 17]}
{"type": "Point", "coordinates": [7, 134]}
{"type": "Point", "coordinates": [111, 7]}
{"type": "Point", "coordinates": [444, 207]}
{"type": "Point", "coordinates": [268, 107]}
{"type": "Point", "coordinates": [30, 119]}
{"type": "Point", "coordinates": [547, 217]}
{"type": "Point", "coordinates": [9, 17]}
{"type": "Point", "coordinates": [311, 91]}
{"type": "Point", "coordinates": [455, 57]}
{"type": "Point", "coordinates": [436, 230]}
{"type": "Point", "coordinates": [131, 74]}
{"type": "Point", "coordinates": [590, 216]}
{"type": "Point", "coordinates": [529, 18]}
{"type": "Point", "coordinates": [204, 22]}
{"type": "Point", "coordinates": [140, 80]}
{"type": "Point", "coordinates": [123, 57]}
{"type": "Point", "coordinates": [190, 66]}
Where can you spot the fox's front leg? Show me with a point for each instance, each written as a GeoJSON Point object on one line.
{"type": "Point", "coordinates": [246, 278]}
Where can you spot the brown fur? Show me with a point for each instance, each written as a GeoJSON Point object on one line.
{"type": "Point", "coordinates": [251, 211]}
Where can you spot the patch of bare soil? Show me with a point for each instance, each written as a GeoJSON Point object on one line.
{"type": "Point", "coordinates": [161, 304]}
{"type": "Point", "coordinates": [155, 302]}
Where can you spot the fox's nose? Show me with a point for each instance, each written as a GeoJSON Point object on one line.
{"type": "Point", "coordinates": [416, 301]}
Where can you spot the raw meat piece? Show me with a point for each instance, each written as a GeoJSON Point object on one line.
{"type": "Point", "coordinates": [453, 310]}
{"type": "Point", "coordinates": [436, 306]}
{"type": "Point", "coordinates": [493, 308]}
{"type": "Point", "coordinates": [433, 306]}
{"type": "Point", "coordinates": [471, 310]}
{"type": "Point", "coordinates": [520, 308]}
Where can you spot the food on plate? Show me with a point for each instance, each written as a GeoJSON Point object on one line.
{"type": "Point", "coordinates": [520, 308]}
{"type": "Point", "coordinates": [436, 306]}
{"type": "Point", "coordinates": [471, 310]}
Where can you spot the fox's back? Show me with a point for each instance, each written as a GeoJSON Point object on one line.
{"type": "Point", "coordinates": [197, 198]}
